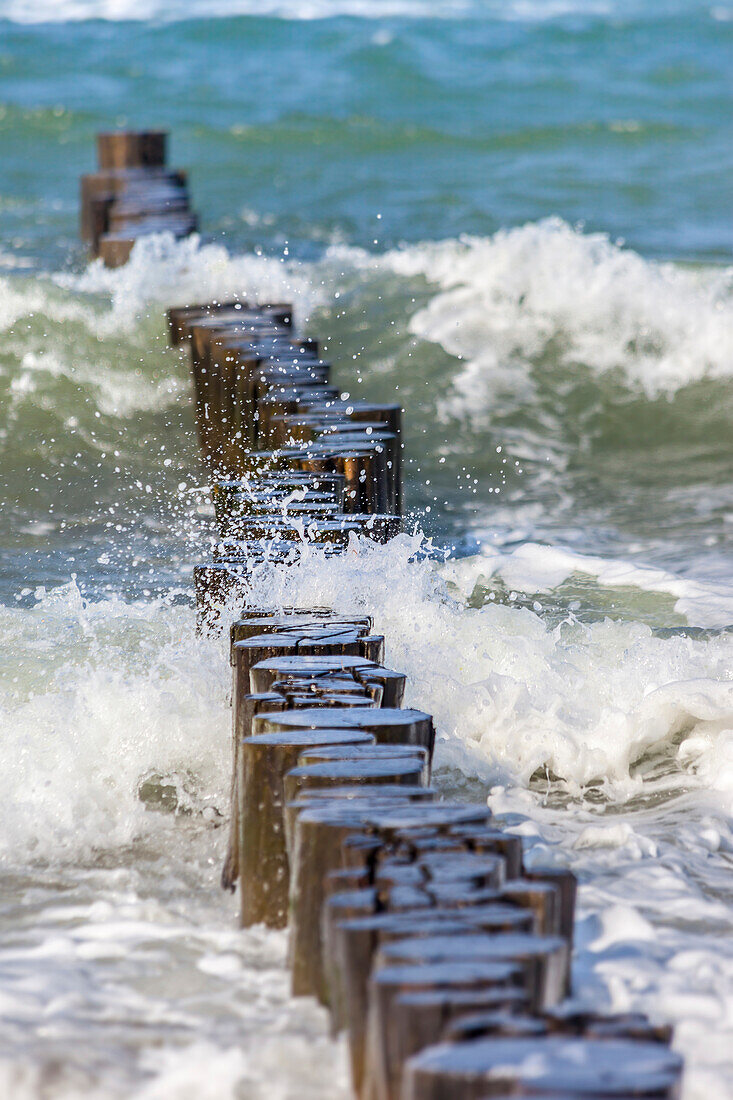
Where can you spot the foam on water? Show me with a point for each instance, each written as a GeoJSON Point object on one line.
{"type": "Point", "coordinates": [505, 300]}
{"type": "Point", "coordinates": [162, 269]}
{"type": "Point", "coordinates": [654, 931]}
{"type": "Point", "coordinates": [512, 695]}
{"type": "Point", "coordinates": [534, 568]}
{"type": "Point", "coordinates": [97, 697]}
{"type": "Point", "coordinates": [646, 721]}
{"type": "Point", "coordinates": [502, 303]}
{"type": "Point", "coordinates": [131, 980]}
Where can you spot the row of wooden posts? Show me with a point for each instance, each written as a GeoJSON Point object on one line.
{"type": "Point", "coordinates": [132, 194]}
{"type": "Point", "coordinates": [412, 918]}
{"type": "Point", "coordinates": [442, 957]}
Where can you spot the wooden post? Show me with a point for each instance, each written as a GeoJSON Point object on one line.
{"type": "Point", "coordinates": [543, 958]}
{"type": "Point", "coordinates": [567, 886]}
{"type": "Point", "coordinates": [393, 794]}
{"type": "Point", "coordinates": [319, 833]}
{"type": "Point", "coordinates": [392, 1036]}
{"type": "Point", "coordinates": [263, 862]}
{"type": "Point", "coordinates": [338, 907]}
{"type": "Point", "coordinates": [263, 674]}
{"type": "Point", "coordinates": [133, 195]}
{"type": "Point", "coordinates": [336, 773]}
{"type": "Point", "coordinates": [542, 1066]}
{"type": "Point", "coordinates": [315, 638]}
{"type": "Point", "coordinates": [146, 149]}
{"type": "Point", "coordinates": [389, 726]}
{"type": "Point", "coordinates": [329, 753]}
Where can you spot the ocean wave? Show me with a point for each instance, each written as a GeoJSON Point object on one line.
{"type": "Point", "coordinates": [69, 358]}
{"type": "Point", "coordinates": [163, 270]}
{"type": "Point", "coordinates": [514, 697]}
{"type": "Point", "coordinates": [545, 289]}
{"type": "Point", "coordinates": [102, 696]}
{"type": "Point", "coordinates": [30, 11]}
{"type": "Point", "coordinates": [127, 692]}
{"type": "Point", "coordinates": [91, 344]}
{"type": "Point", "coordinates": [539, 569]}
{"type": "Point", "coordinates": [548, 289]}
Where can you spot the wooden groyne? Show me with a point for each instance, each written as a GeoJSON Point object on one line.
{"type": "Point", "coordinates": [131, 195]}
{"type": "Point", "coordinates": [413, 919]}
{"type": "Point", "coordinates": [444, 960]}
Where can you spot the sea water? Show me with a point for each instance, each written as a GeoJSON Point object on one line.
{"type": "Point", "coordinates": [513, 217]}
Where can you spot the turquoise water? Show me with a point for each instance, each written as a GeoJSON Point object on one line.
{"type": "Point", "coordinates": [619, 120]}
{"type": "Point", "coordinates": [516, 217]}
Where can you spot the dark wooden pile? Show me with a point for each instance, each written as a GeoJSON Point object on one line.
{"type": "Point", "coordinates": [443, 958]}
{"type": "Point", "coordinates": [132, 195]}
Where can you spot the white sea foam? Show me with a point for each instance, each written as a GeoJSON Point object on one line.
{"type": "Point", "coordinates": [654, 930]}
{"type": "Point", "coordinates": [513, 697]}
{"type": "Point", "coordinates": [99, 696]}
{"type": "Point", "coordinates": [507, 299]}
{"type": "Point", "coordinates": [502, 302]}
{"type": "Point", "coordinates": [162, 269]}
{"type": "Point", "coordinates": [132, 980]}
{"type": "Point", "coordinates": [535, 568]}
{"type": "Point", "coordinates": [131, 693]}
